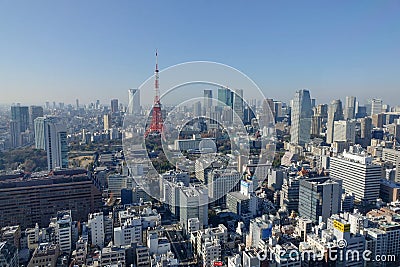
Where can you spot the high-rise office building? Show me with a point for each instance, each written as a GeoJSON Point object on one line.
{"type": "Point", "coordinates": [321, 110]}
{"type": "Point", "coordinates": [301, 118]}
{"type": "Point", "coordinates": [197, 112]}
{"type": "Point", "coordinates": [375, 106]}
{"type": "Point", "coordinates": [360, 176]}
{"type": "Point", "coordinates": [225, 95]}
{"type": "Point", "coordinates": [248, 114]}
{"type": "Point", "coordinates": [19, 124]}
{"type": "Point", "coordinates": [57, 147]}
{"type": "Point", "coordinates": [114, 105]}
{"type": "Point", "coordinates": [51, 135]}
{"type": "Point", "coordinates": [316, 125]}
{"type": "Point", "coordinates": [278, 113]}
{"type": "Point", "coordinates": [15, 134]}
{"type": "Point", "coordinates": [378, 120]}
{"type": "Point", "coordinates": [238, 103]}
{"type": "Point", "coordinates": [319, 198]}
{"type": "Point", "coordinates": [20, 114]}
{"type": "Point", "coordinates": [365, 131]}
{"type": "Point", "coordinates": [208, 99]}
{"type": "Point", "coordinates": [290, 193]}
{"type": "Point", "coordinates": [350, 108]}
{"type": "Point", "coordinates": [361, 111]}
{"type": "Point", "coordinates": [133, 101]}
{"type": "Point", "coordinates": [34, 112]}
{"type": "Point", "coordinates": [106, 122]}
{"type": "Point", "coordinates": [344, 131]}
{"type": "Point", "coordinates": [40, 132]}
{"type": "Point", "coordinates": [335, 113]}
{"type": "Point", "coordinates": [37, 199]}
{"type": "Point", "coordinates": [268, 112]}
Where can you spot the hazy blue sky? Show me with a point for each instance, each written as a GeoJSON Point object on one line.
{"type": "Point", "coordinates": [63, 50]}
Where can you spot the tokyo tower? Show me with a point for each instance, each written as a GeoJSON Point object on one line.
{"type": "Point", "coordinates": [156, 125]}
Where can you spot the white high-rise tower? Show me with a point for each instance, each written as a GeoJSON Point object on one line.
{"type": "Point", "coordinates": [301, 118]}
{"type": "Point", "coordinates": [133, 101]}
{"type": "Point", "coordinates": [51, 135]}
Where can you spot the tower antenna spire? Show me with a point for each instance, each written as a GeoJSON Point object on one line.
{"type": "Point", "coordinates": [156, 82]}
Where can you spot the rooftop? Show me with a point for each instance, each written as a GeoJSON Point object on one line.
{"type": "Point", "coordinates": [37, 179]}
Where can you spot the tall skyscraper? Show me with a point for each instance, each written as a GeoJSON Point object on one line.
{"type": "Point", "coordinates": [238, 103]}
{"type": "Point", "coordinates": [114, 105]}
{"type": "Point", "coordinates": [197, 109]}
{"type": "Point", "coordinates": [269, 109]}
{"type": "Point", "coordinates": [225, 95]}
{"type": "Point", "coordinates": [20, 114]}
{"type": "Point", "coordinates": [19, 124]}
{"type": "Point", "coordinates": [361, 111]}
{"type": "Point", "coordinates": [106, 122]}
{"type": "Point", "coordinates": [56, 146]}
{"type": "Point", "coordinates": [34, 112]}
{"type": "Point", "coordinates": [248, 114]}
{"type": "Point", "coordinates": [15, 134]}
{"type": "Point", "coordinates": [51, 136]}
{"type": "Point", "coordinates": [208, 98]}
{"type": "Point", "coordinates": [375, 105]}
{"type": "Point", "coordinates": [350, 108]}
{"type": "Point", "coordinates": [344, 131]}
{"type": "Point", "coordinates": [316, 125]}
{"type": "Point", "coordinates": [365, 131]}
{"type": "Point", "coordinates": [133, 101]}
{"type": "Point", "coordinates": [301, 118]}
{"type": "Point", "coordinates": [322, 110]}
{"type": "Point", "coordinates": [335, 113]}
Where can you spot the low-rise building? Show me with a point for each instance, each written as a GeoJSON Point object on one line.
{"type": "Point", "coordinates": [46, 254]}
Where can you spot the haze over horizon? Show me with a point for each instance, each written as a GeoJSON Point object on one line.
{"type": "Point", "coordinates": [60, 51]}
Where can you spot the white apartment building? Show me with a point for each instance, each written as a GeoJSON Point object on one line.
{"type": "Point", "coordinates": [129, 232]}
{"type": "Point", "coordinates": [63, 224]}
{"type": "Point", "coordinates": [96, 225]}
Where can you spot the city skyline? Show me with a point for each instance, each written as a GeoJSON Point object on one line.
{"type": "Point", "coordinates": [352, 48]}
{"type": "Point", "coordinates": [198, 134]}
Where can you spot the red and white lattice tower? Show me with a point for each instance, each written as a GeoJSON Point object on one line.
{"type": "Point", "coordinates": [156, 125]}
